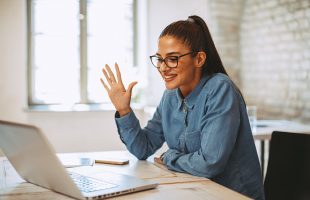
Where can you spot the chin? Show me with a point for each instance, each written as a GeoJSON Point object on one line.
{"type": "Point", "coordinates": [170, 86]}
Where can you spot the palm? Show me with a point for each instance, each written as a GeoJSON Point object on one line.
{"type": "Point", "coordinates": [120, 97]}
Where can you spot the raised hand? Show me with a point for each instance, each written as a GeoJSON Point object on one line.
{"type": "Point", "coordinates": [120, 97]}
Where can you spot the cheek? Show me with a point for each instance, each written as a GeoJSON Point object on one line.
{"type": "Point", "coordinates": [187, 72]}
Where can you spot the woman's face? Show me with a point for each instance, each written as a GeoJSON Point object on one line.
{"type": "Point", "coordinates": [186, 75]}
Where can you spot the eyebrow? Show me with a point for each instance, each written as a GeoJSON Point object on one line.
{"type": "Point", "coordinates": [169, 54]}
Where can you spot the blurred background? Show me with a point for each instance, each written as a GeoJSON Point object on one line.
{"type": "Point", "coordinates": [52, 52]}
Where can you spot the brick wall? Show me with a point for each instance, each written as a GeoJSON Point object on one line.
{"type": "Point", "coordinates": [275, 57]}
{"type": "Point", "coordinates": [265, 47]}
{"type": "Point", "coordinates": [224, 26]}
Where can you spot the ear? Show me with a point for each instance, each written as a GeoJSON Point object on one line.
{"type": "Point", "coordinates": [200, 59]}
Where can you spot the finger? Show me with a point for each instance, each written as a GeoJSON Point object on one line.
{"type": "Point", "coordinates": [106, 76]}
{"type": "Point", "coordinates": [104, 85]}
{"type": "Point", "coordinates": [130, 86]}
{"type": "Point", "coordinates": [118, 74]}
{"type": "Point", "coordinates": [112, 78]}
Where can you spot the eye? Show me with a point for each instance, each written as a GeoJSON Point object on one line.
{"type": "Point", "coordinates": [172, 59]}
{"type": "Point", "coordinates": [159, 59]}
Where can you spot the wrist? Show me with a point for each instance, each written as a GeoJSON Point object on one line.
{"type": "Point", "coordinates": [162, 156]}
{"type": "Point", "coordinates": [124, 112]}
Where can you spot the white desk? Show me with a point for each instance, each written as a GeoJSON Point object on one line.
{"type": "Point", "coordinates": [172, 185]}
{"type": "Point", "coordinates": [265, 128]}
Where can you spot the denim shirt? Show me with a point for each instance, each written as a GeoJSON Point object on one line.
{"type": "Point", "coordinates": [207, 132]}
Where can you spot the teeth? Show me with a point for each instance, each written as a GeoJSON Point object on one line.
{"type": "Point", "coordinates": [169, 76]}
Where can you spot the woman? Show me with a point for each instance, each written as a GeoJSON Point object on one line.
{"type": "Point", "coordinates": [202, 115]}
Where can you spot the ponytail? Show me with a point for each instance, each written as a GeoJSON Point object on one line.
{"type": "Point", "coordinates": [213, 62]}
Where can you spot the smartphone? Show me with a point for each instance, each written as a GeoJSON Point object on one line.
{"type": "Point", "coordinates": [112, 161]}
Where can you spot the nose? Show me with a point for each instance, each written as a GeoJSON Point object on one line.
{"type": "Point", "coordinates": [163, 67]}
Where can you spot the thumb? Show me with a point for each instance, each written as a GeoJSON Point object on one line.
{"type": "Point", "coordinates": [130, 86]}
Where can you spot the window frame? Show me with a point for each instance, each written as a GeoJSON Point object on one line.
{"type": "Point", "coordinates": [85, 103]}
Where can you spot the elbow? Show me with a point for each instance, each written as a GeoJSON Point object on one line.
{"type": "Point", "coordinates": [139, 154]}
{"type": "Point", "coordinates": [208, 168]}
{"type": "Point", "coordinates": [214, 169]}
{"type": "Point", "coordinates": [205, 171]}
{"type": "Point", "coordinates": [139, 157]}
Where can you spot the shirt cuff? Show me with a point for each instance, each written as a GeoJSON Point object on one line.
{"type": "Point", "coordinates": [127, 121]}
{"type": "Point", "coordinates": [169, 155]}
{"type": "Point", "coordinates": [125, 126]}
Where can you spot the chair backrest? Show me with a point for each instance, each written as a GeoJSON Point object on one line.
{"type": "Point", "coordinates": [288, 170]}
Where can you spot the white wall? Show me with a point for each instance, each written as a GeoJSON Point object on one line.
{"type": "Point", "coordinates": [12, 60]}
{"type": "Point", "coordinates": [74, 131]}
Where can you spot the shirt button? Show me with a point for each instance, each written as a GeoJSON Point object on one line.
{"type": "Point", "coordinates": [185, 109]}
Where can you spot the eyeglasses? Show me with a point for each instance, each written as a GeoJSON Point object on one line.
{"type": "Point", "coordinates": [170, 61]}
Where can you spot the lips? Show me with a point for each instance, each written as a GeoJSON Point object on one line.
{"type": "Point", "coordinates": [169, 77]}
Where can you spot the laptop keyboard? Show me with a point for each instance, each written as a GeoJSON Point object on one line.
{"type": "Point", "coordinates": [88, 184]}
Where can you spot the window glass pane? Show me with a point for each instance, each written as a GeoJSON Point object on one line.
{"type": "Point", "coordinates": [55, 39]}
{"type": "Point", "coordinates": [110, 40]}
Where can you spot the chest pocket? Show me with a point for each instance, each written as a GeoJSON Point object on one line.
{"type": "Point", "coordinates": [193, 141]}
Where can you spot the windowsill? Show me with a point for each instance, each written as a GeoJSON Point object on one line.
{"type": "Point", "coordinates": [77, 108]}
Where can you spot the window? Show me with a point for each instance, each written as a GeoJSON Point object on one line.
{"type": "Point", "coordinates": [70, 41]}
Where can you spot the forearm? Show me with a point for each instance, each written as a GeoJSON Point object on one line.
{"type": "Point", "coordinates": [140, 142]}
{"type": "Point", "coordinates": [193, 163]}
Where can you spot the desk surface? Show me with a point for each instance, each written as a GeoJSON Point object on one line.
{"type": "Point", "coordinates": [265, 128]}
{"type": "Point", "coordinates": [172, 185]}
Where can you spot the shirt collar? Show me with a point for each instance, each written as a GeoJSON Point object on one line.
{"type": "Point", "coordinates": [190, 99]}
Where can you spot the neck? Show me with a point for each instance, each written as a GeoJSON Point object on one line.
{"type": "Point", "coordinates": [185, 91]}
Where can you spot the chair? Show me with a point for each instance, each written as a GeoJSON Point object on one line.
{"type": "Point", "coordinates": [288, 170]}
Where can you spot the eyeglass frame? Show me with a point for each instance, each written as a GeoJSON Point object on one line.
{"type": "Point", "coordinates": [164, 59]}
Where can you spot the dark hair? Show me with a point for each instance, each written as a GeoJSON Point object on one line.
{"type": "Point", "coordinates": [195, 34]}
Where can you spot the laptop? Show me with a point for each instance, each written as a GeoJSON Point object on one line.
{"type": "Point", "coordinates": [35, 160]}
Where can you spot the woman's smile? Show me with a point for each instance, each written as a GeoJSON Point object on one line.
{"type": "Point", "coordinates": [169, 77]}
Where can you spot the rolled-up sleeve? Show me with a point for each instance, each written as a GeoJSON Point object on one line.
{"type": "Point", "coordinates": [219, 130]}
